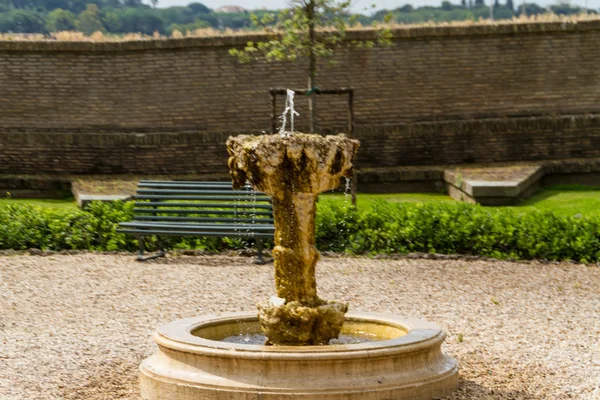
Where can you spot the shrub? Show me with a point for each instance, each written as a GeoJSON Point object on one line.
{"type": "Point", "coordinates": [384, 228]}
{"type": "Point", "coordinates": [95, 228]}
{"type": "Point", "coordinates": [457, 228]}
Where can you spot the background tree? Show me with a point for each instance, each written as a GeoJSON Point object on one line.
{"type": "Point", "coordinates": [140, 21]}
{"type": "Point", "coordinates": [89, 20]}
{"type": "Point", "coordinates": [198, 8]}
{"type": "Point", "coordinates": [125, 16]}
{"type": "Point", "coordinates": [309, 29]}
{"type": "Point", "coordinates": [132, 3]}
{"type": "Point", "coordinates": [21, 21]}
{"type": "Point", "coordinates": [60, 20]}
{"type": "Point", "coordinates": [531, 9]}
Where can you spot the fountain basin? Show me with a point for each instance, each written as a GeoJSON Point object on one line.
{"type": "Point", "coordinates": [404, 361]}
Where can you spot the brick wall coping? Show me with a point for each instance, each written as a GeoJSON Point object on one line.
{"type": "Point", "coordinates": [409, 32]}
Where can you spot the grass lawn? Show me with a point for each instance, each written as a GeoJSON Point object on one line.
{"type": "Point", "coordinates": [367, 199]}
{"type": "Point", "coordinates": [66, 203]}
{"type": "Point", "coordinates": [567, 200]}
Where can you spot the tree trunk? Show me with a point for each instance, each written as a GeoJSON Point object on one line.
{"type": "Point", "coordinates": [312, 66]}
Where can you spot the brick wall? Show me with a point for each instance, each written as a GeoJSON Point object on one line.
{"type": "Point", "coordinates": [423, 143]}
{"type": "Point", "coordinates": [437, 95]}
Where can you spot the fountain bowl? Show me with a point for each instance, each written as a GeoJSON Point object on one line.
{"type": "Point", "coordinates": [404, 361]}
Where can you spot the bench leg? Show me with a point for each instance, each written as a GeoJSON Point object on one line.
{"type": "Point", "coordinates": [140, 257]}
{"type": "Point", "coordinates": [259, 252]}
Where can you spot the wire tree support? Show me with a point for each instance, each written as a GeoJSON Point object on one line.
{"type": "Point", "coordinates": [278, 91]}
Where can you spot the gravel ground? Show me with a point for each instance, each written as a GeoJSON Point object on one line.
{"type": "Point", "coordinates": [77, 326]}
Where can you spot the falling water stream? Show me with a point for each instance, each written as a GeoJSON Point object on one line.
{"type": "Point", "coordinates": [347, 190]}
{"type": "Point", "coordinates": [289, 108]}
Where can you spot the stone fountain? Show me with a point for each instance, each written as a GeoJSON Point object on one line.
{"type": "Point", "coordinates": [392, 357]}
{"type": "Point", "coordinates": [293, 170]}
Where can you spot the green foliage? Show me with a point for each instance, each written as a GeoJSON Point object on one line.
{"type": "Point", "coordinates": [530, 9]}
{"type": "Point", "coordinates": [67, 202]}
{"type": "Point", "coordinates": [140, 21]}
{"type": "Point", "coordinates": [185, 28]}
{"type": "Point", "coordinates": [23, 227]}
{"type": "Point", "coordinates": [457, 229]}
{"type": "Point", "coordinates": [198, 8]}
{"type": "Point", "coordinates": [313, 28]}
{"type": "Point", "coordinates": [21, 21]}
{"type": "Point", "coordinates": [133, 16]}
{"type": "Point", "coordinates": [89, 20]}
{"type": "Point", "coordinates": [95, 228]}
{"type": "Point", "coordinates": [567, 200]}
{"type": "Point", "coordinates": [382, 228]}
{"type": "Point", "coordinates": [448, 12]}
{"type": "Point", "coordinates": [60, 20]}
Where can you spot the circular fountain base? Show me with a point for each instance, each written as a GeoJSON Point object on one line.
{"type": "Point", "coordinates": [403, 361]}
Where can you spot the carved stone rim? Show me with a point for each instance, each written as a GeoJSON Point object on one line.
{"type": "Point", "coordinates": [420, 335]}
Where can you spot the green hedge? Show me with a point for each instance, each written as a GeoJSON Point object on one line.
{"type": "Point", "coordinates": [458, 228]}
{"type": "Point", "coordinates": [384, 228]}
{"type": "Point", "coordinates": [95, 228]}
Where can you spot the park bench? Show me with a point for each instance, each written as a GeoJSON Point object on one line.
{"type": "Point", "coordinates": [185, 208]}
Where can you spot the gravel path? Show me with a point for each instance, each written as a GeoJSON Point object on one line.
{"type": "Point", "coordinates": [77, 326]}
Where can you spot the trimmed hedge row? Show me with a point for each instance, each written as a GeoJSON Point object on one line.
{"type": "Point", "coordinates": [446, 228]}
{"type": "Point", "coordinates": [95, 228]}
{"type": "Point", "coordinates": [458, 228]}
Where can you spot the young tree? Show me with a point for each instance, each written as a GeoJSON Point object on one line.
{"type": "Point", "coordinates": [309, 29]}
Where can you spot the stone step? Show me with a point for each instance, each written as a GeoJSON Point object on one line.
{"type": "Point", "coordinates": [506, 185]}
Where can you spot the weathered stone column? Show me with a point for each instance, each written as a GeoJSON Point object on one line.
{"type": "Point", "coordinates": [293, 171]}
{"type": "Point", "coordinates": [294, 254]}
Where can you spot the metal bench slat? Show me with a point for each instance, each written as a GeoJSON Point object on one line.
{"type": "Point", "coordinates": [200, 211]}
{"type": "Point", "coordinates": [241, 193]}
{"type": "Point", "coordinates": [185, 183]}
{"type": "Point", "coordinates": [200, 219]}
{"type": "Point", "coordinates": [202, 205]}
{"type": "Point", "coordinates": [218, 227]}
{"type": "Point", "coordinates": [197, 187]}
{"type": "Point", "coordinates": [195, 233]}
{"type": "Point", "coordinates": [198, 208]}
{"type": "Point", "coordinates": [194, 197]}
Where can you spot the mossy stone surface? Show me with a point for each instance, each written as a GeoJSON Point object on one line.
{"type": "Point", "coordinates": [293, 170]}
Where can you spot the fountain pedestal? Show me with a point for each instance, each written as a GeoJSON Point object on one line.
{"type": "Point", "coordinates": [293, 170]}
